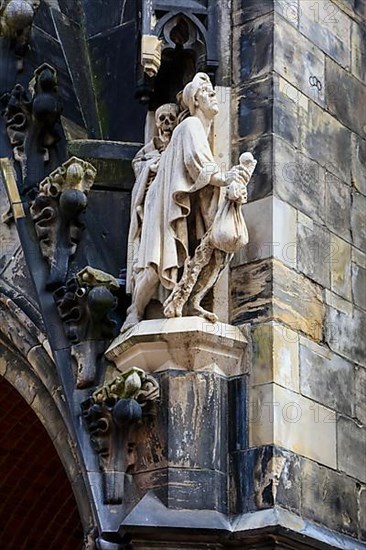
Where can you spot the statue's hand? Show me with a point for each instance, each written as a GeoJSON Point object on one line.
{"type": "Point", "coordinates": [237, 192]}
{"type": "Point", "coordinates": [239, 174]}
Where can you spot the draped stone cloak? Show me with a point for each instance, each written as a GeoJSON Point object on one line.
{"type": "Point", "coordinates": [181, 184]}
{"type": "Point", "coordinates": [145, 158]}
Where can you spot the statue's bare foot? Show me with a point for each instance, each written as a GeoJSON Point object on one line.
{"type": "Point", "coordinates": [132, 320]}
{"type": "Point", "coordinates": [171, 309]}
{"type": "Point", "coordinates": [195, 309]}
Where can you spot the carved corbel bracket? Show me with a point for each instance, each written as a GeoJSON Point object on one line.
{"type": "Point", "coordinates": [16, 18]}
{"type": "Point", "coordinates": [111, 415]}
{"type": "Point", "coordinates": [84, 304]}
{"type": "Point", "coordinates": [56, 210]}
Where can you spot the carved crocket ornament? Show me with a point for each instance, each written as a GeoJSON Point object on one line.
{"type": "Point", "coordinates": [56, 211]}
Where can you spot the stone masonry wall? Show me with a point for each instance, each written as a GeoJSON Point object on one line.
{"type": "Point", "coordinates": [300, 107]}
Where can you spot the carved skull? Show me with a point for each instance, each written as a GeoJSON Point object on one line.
{"type": "Point", "coordinates": [166, 118]}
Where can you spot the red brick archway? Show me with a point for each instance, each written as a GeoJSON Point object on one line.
{"type": "Point", "coordinates": [38, 510]}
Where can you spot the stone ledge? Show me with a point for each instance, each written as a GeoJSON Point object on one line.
{"type": "Point", "coordinates": [112, 160]}
{"type": "Point", "coordinates": [186, 343]}
{"type": "Point", "coordinates": [253, 527]}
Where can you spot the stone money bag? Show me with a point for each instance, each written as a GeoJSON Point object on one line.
{"type": "Point", "coordinates": [229, 231]}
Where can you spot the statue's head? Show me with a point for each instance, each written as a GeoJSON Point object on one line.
{"type": "Point", "coordinates": [166, 118]}
{"type": "Point", "coordinates": [199, 94]}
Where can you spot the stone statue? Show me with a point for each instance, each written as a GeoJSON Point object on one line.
{"type": "Point", "coordinates": [178, 249]}
{"type": "Point", "coordinates": [145, 166]}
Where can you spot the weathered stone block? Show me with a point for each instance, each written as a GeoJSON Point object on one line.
{"type": "Point", "coordinates": [297, 302]}
{"type": "Point", "coordinates": [338, 206]}
{"type": "Point", "coordinates": [255, 109]}
{"type": "Point", "coordinates": [351, 446]}
{"type": "Point", "coordinates": [358, 257]}
{"type": "Point", "coordinates": [340, 84]}
{"type": "Point", "coordinates": [345, 334]}
{"type": "Point", "coordinates": [313, 250]}
{"type": "Point", "coordinates": [197, 405]}
{"type": "Point", "coordinates": [358, 51]}
{"type": "Point", "coordinates": [327, 141]}
{"type": "Point", "coordinates": [260, 244]}
{"type": "Point", "coordinates": [298, 180]}
{"type": "Point", "coordinates": [359, 163]}
{"type": "Point", "coordinates": [281, 417]}
{"type": "Point", "coordinates": [238, 415]}
{"type": "Point", "coordinates": [183, 445]}
{"type": "Point", "coordinates": [340, 267]}
{"type": "Point", "coordinates": [191, 404]}
{"type": "Point", "coordinates": [328, 27]}
{"type": "Point", "coordinates": [271, 227]}
{"type": "Point", "coordinates": [335, 301]}
{"type": "Point", "coordinates": [358, 221]}
{"type": "Point", "coordinates": [284, 233]}
{"type": "Point", "coordinates": [329, 498]}
{"type": "Point", "coordinates": [298, 60]}
{"type": "Point", "coordinates": [246, 10]}
{"type": "Point", "coordinates": [261, 183]}
{"type": "Point", "coordinates": [362, 508]}
{"type": "Point", "coordinates": [360, 394]}
{"type": "Point", "coordinates": [355, 8]}
{"type": "Point", "coordinates": [197, 490]}
{"type": "Point", "coordinates": [326, 377]}
{"type": "Point", "coordinates": [256, 48]}
{"type": "Point", "coordinates": [183, 488]}
{"type": "Point", "coordinates": [289, 10]}
{"type": "Point", "coordinates": [284, 113]}
{"type": "Point", "coordinates": [264, 477]}
{"type": "Point", "coordinates": [275, 356]}
{"type": "Point", "coordinates": [359, 285]}
{"type": "Point", "coordinates": [251, 292]}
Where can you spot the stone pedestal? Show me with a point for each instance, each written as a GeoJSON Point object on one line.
{"type": "Point", "coordinates": [182, 452]}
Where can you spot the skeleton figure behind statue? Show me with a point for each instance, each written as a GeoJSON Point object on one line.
{"type": "Point", "coordinates": [145, 166]}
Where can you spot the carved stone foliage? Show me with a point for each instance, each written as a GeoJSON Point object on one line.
{"type": "Point", "coordinates": [111, 415]}
{"type": "Point", "coordinates": [16, 18]}
{"type": "Point", "coordinates": [32, 120]}
{"type": "Point", "coordinates": [56, 212]}
{"type": "Point", "coordinates": [16, 114]}
{"type": "Point", "coordinates": [84, 304]}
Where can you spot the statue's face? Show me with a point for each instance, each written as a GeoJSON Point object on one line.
{"type": "Point", "coordinates": [207, 100]}
{"type": "Point", "coordinates": [166, 118]}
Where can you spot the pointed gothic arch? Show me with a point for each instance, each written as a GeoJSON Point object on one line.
{"type": "Point", "coordinates": [35, 438]}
